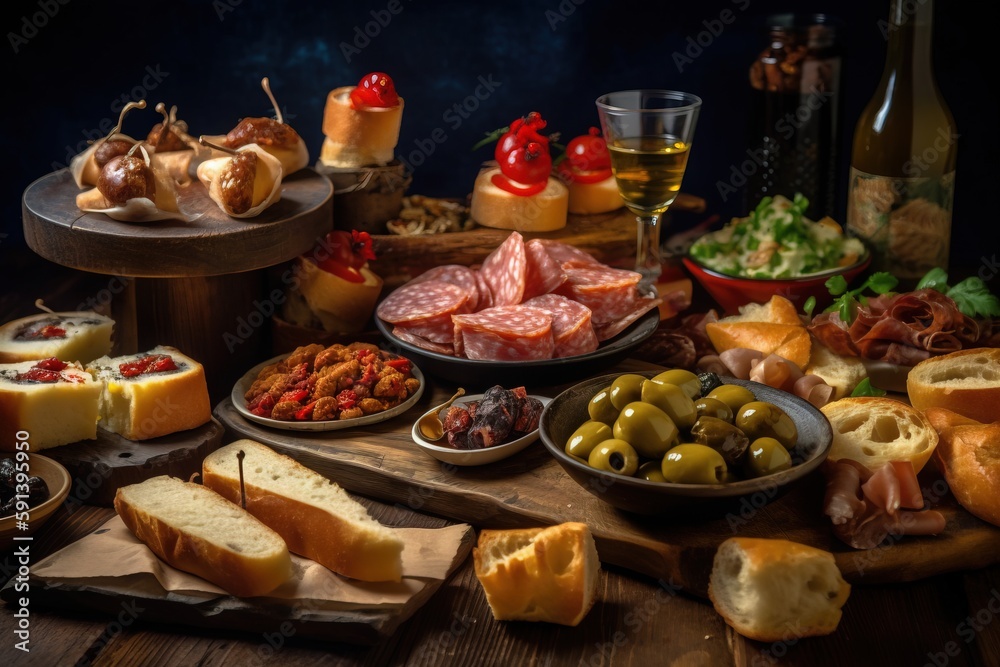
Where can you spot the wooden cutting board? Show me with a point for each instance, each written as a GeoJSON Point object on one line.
{"type": "Point", "coordinates": [531, 489]}
{"type": "Point", "coordinates": [99, 467]}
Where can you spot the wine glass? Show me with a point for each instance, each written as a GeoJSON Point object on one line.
{"type": "Point", "coordinates": [649, 134]}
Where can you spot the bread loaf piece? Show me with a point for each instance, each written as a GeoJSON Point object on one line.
{"type": "Point", "coordinates": [876, 430]}
{"type": "Point", "coordinates": [968, 455]}
{"type": "Point", "coordinates": [196, 530]}
{"type": "Point", "coordinates": [539, 574]}
{"type": "Point", "coordinates": [494, 207]}
{"type": "Point", "coordinates": [75, 336]}
{"type": "Point", "coordinates": [966, 382]}
{"type": "Point", "coordinates": [776, 590]}
{"type": "Point", "coordinates": [841, 373]}
{"type": "Point", "coordinates": [593, 198]}
{"type": "Point", "coordinates": [358, 137]}
{"type": "Point", "coordinates": [316, 518]}
{"type": "Point", "coordinates": [53, 407]}
{"type": "Point", "coordinates": [152, 403]}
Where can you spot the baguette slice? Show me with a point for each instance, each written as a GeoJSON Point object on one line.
{"type": "Point", "coordinates": [196, 530]}
{"type": "Point", "coordinates": [776, 590]}
{"type": "Point", "coordinates": [966, 382]}
{"type": "Point", "coordinates": [874, 431]}
{"type": "Point", "coordinates": [593, 198]}
{"type": "Point", "coordinates": [316, 517]}
{"type": "Point", "coordinates": [841, 373]}
{"type": "Point", "coordinates": [539, 574]}
{"type": "Point", "coordinates": [358, 137]}
{"type": "Point", "coordinates": [542, 212]}
{"type": "Point", "coordinates": [968, 455]}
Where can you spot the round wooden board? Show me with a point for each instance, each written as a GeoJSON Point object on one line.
{"type": "Point", "coordinates": [99, 467]}
{"type": "Point", "coordinates": [210, 244]}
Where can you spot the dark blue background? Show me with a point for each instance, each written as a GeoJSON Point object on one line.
{"type": "Point", "coordinates": [549, 56]}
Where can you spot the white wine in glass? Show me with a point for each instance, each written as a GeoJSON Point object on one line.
{"type": "Point", "coordinates": [648, 133]}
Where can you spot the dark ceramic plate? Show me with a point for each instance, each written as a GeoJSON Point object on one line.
{"type": "Point", "coordinates": [477, 374]}
{"type": "Point", "coordinates": [569, 409]}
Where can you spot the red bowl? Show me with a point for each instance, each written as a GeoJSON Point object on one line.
{"type": "Point", "coordinates": [731, 292]}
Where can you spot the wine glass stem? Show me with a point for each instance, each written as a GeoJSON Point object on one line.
{"type": "Point", "coordinates": [648, 249]}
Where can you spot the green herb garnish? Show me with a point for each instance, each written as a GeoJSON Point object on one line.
{"type": "Point", "coordinates": [971, 295]}
{"type": "Point", "coordinates": [848, 300]}
{"type": "Point", "coordinates": [491, 137]}
{"type": "Point", "coordinates": [865, 388]}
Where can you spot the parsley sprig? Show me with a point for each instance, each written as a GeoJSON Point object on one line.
{"type": "Point", "coordinates": [848, 301]}
{"type": "Point", "coordinates": [971, 295]}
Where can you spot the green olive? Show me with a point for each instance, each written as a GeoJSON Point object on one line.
{"type": "Point", "coordinates": [671, 399]}
{"type": "Point", "coordinates": [713, 407]}
{"type": "Point", "coordinates": [686, 380]}
{"type": "Point", "coordinates": [587, 436]}
{"type": "Point", "coordinates": [651, 472]}
{"type": "Point", "coordinates": [693, 464]}
{"type": "Point", "coordinates": [600, 408]}
{"type": "Point", "coordinates": [625, 389]}
{"type": "Point", "coordinates": [732, 395]}
{"type": "Point", "coordinates": [647, 428]}
{"type": "Point", "coordinates": [765, 420]}
{"type": "Point", "coordinates": [765, 456]}
{"type": "Point", "coordinates": [721, 436]}
{"type": "Point", "coordinates": [614, 456]}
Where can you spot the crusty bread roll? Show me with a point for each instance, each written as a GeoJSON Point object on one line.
{"type": "Point", "coordinates": [316, 518]}
{"type": "Point", "coordinates": [968, 455]}
{"type": "Point", "coordinates": [52, 413]}
{"type": "Point", "coordinates": [358, 137]}
{"type": "Point", "coordinates": [841, 373]}
{"type": "Point", "coordinates": [196, 530]}
{"type": "Point", "coordinates": [74, 336]}
{"type": "Point", "coordinates": [876, 430]}
{"type": "Point", "coordinates": [493, 207]}
{"type": "Point", "coordinates": [538, 574]}
{"type": "Point", "coordinates": [776, 310]}
{"type": "Point", "coordinates": [776, 590]}
{"type": "Point", "coordinates": [341, 306]}
{"type": "Point", "coordinates": [592, 198]}
{"type": "Point", "coordinates": [156, 403]}
{"type": "Point", "coordinates": [966, 382]}
{"type": "Point", "coordinates": [773, 327]}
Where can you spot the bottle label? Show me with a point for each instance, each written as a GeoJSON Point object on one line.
{"type": "Point", "coordinates": [905, 222]}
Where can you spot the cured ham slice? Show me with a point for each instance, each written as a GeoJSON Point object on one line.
{"type": "Point", "coordinates": [505, 333]}
{"type": "Point", "coordinates": [571, 324]}
{"type": "Point", "coordinates": [543, 274]}
{"type": "Point", "coordinates": [608, 330]}
{"type": "Point", "coordinates": [610, 293]}
{"type": "Point", "coordinates": [504, 271]}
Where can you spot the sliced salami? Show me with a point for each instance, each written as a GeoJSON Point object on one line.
{"type": "Point", "coordinates": [485, 296]}
{"type": "Point", "coordinates": [505, 333]}
{"type": "Point", "coordinates": [642, 306]}
{"type": "Point", "coordinates": [427, 304]}
{"type": "Point", "coordinates": [503, 270]}
{"type": "Point", "coordinates": [405, 334]}
{"type": "Point", "coordinates": [456, 274]}
{"type": "Point", "coordinates": [542, 274]}
{"type": "Point", "coordinates": [610, 293]}
{"type": "Point", "coordinates": [572, 327]}
{"type": "Point", "coordinates": [564, 252]}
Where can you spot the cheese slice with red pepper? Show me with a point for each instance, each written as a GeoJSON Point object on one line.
{"type": "Point", "coordinates": [70, 336]}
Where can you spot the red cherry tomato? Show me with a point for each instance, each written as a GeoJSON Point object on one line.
{"type": "Point", "coordinates": [530, 163]}
{"type": "Point", "coordinates": [589, 152]}
{"type": "Point", "coordinates": [521, 131]}
{"type": "Point", "coordinates": [375, 90]}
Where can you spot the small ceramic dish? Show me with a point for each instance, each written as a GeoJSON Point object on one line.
{"type": "Point", "coordinates": [474, 457]}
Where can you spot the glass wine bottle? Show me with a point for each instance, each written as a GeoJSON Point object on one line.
{"type": "Point", "coordinates": [902, 179]}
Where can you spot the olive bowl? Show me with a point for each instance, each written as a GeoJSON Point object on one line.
{"type": "Point", "coordinates": [568, 410]}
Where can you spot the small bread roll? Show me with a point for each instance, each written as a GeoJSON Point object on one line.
{"type": "Point", "coordinates": [539, 574]}
{"type": "Point", "coordinates": [875, 430]}
{"type": "Point", "coordinates": [968, 455]}
{"type": "Point", "coordinates": [776, 590]}
{"type": "Point", "coordinates": [966, 382]}
{"type": "Point", "coordinates": [358, 137]}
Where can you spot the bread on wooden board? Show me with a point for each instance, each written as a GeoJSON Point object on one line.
{"type": "Point", "coordinates": [966, 382]}
{"type": "Point", "coordinates": [196, 530]}
{"type": "Point", "coordinates": [492, 206]}
{"type": "Point", "coordinates": [358, 137]}
{"type": "Point", "coordinates": [968, 455]}
{"type": "Point", "coordinates": [57, 411]}
{"type": "Point", "coordinates": [316, 518]}
{"type": "Point", "coordinates": [876, 430]}
{"type": "Point", "coordinates": [539, 574]}
{"type": "Point", "coordinates": [775, 590]}
{"type": "Point", "coordinates": [154, 402]}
